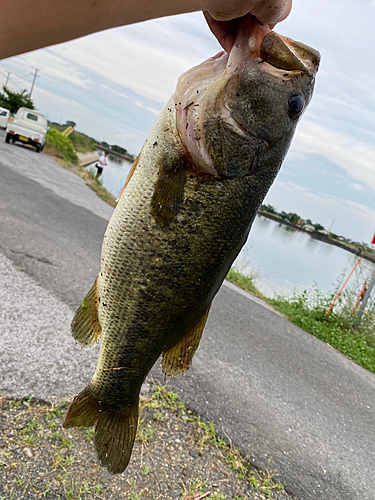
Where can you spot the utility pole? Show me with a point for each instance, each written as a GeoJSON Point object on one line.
{"type": "Point", "coordinates": [365, 300]}
{"type": "Point", "coordinates": [32, 86]}
{"type": "Point", "coordinates": [6, 83]}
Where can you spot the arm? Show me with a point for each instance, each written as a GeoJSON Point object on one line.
{"type": "Point", "coordinates": [31, 25]}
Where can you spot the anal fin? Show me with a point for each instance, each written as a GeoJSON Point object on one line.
{"type": "Point", "coordinates": [86, 327]}
{"type": "Point", "coordinates": [178, 359]}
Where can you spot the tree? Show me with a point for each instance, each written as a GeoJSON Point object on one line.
{"type": "Point", "coordinates": [318, 227]}
{"type": "Point", "coordinates": [119, 149]}
{"type": "Point", "coordinates": [69, 123]}
{"type": "Point", "coordinates": [15, 100]}
{"type": "Point", "coordinates": [293, 218]}
{"type": "Point", "coordinates": [268, 208]}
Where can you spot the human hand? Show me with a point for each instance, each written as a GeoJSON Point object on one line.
{"type": "Point", "coordinates": [224, 16]}
{"type": "Point", "coordinates": [266, 11]}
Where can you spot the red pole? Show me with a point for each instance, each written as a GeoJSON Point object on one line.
{"type": "Point", "coordinates": [343, 286]}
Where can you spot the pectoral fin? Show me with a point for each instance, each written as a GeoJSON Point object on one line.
{"type": "Point", "coordinates": [169, 189]}
{"type": "Point", "coordinates": [86, 327]}
{"type": "Point", "coordinates": [178, 358]}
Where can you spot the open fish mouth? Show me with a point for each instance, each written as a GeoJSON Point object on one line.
{"type": "Point", "coordinates": [278, 51]}
{"type": "Point", "coordinates": [286, 54]}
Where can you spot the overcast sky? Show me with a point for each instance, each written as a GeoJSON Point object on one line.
{"type": "Point", "coordinates": [114, 83]}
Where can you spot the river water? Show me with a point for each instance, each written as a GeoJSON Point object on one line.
{"type": "Point", "coordinates": [284, 260]}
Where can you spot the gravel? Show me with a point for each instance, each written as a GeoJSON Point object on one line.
{"type": "Point", "coordinates": [176, 456]}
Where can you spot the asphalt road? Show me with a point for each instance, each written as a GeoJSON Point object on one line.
{"type": "Point", "coordinates": [290, 402]}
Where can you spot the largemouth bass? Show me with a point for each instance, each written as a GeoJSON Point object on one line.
{"type": "Point", "coordinates": [183, 216]}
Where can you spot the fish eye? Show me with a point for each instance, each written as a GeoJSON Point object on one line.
{"type": "Point", "coordinates": [296, 104]}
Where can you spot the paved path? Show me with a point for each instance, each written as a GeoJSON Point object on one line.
{"type": "Point", "coordinates": [284, 398]}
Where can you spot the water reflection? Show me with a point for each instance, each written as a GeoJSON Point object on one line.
{"type": "Point", "coordinates": [286, 260]}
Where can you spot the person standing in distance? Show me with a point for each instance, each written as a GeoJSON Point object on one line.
{"type": "Point", "coordinates": [101, 164]}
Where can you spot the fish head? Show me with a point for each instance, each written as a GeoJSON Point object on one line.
{"type": "Point", "coordinates": [237, 112]}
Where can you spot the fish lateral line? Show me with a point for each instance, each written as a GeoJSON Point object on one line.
{"type": "Point", "coordinates": [114, 369]}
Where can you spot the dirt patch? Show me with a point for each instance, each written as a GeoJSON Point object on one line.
{"type": "Point", "coordinates": [176, 456]}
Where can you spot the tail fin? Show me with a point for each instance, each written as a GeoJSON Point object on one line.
{"type": "Point", "coordinates": [115, 428]}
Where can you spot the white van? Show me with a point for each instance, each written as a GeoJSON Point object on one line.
{"type": "Point", "coordinates": [29, 127]}
{"type": "Point", "coordinates": [4, 115]}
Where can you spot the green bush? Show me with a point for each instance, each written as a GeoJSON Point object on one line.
{"type": "Point", "coordinates": [61, 145]}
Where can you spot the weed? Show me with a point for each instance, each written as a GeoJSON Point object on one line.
{"type": "Point", "coordinates": [69, 460]}
{"type": "Point", "coordinates": [196, 486]}
{"type": "Point", "coordinates": [98, 488]}
{"type": "Point", "coordinates": [162, 398]}
{"type": "Point", "coordinates": [57, 436]}
{"type": "Point", "coordinates": [31, 427]}
{"type": "Point", "coordinates": [90, 433]}
{"type": "Point", "coordinates": [30, 440]}
{"type": "Point", "coordinates": [45, 491]}
{"type": "Point", "coordinates": [245, 281]}
{"type": "Point", "coordinates": [14, 403]}
{"type": "Point", "coordinates": [66, 443]}
{"type": "Point", "coordinates": [158, 416]}
{"type": "Point", "coordinates": [146, 470]}
{"type": "Point", "coordinates": [146, 435]}
{"type": "Point", "coordinates": [85, 488]}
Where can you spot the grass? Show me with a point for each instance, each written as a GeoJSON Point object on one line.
{"type": "Point", "coordinates": [307, 310]}
{"type": "Point", "coordinates": [62, 464]}
{"type": "Point", "coordinates": [245, 281]}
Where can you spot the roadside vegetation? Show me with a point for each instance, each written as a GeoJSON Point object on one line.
{"type": "Point", "coordinates": [81, 143]}
{"type": "Point", "coordinates": [58, 145]}
{"type": "Point", "coordinates": [308, 311]}
{"type": "Point", "coordinates": [64, 151]}
{"type": "Point", "coordinates": [176, 455]}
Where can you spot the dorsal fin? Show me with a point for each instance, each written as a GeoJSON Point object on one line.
{"type": "Point", "coordinates": [130, 175]}
{"type": "Point", "coordinates": [178, 358]}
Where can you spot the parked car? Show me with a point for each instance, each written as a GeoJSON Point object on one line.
{"type": "Point", "coordinates": [4, 116]}
{"type": "Point", "coordinates": [29, 127]}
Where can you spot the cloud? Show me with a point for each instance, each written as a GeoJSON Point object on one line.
{"type": "Point", "coordinates": [150, 71]}
{"type": "Point", "coordinates": [148, 108]}
{"type": "Point", "coordinates": [356, 157]}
